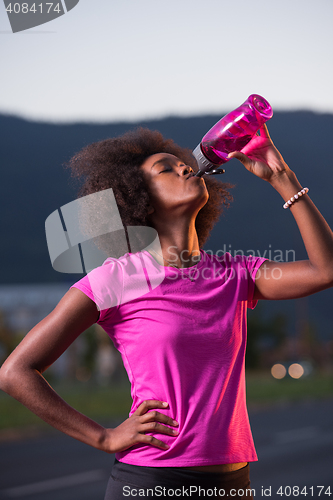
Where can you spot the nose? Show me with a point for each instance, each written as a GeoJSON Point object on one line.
{"type": "Point", "coordinates": [186, 169]}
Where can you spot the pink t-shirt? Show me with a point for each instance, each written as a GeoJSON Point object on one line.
{"type": "Point", "coordinates": [182, 337]}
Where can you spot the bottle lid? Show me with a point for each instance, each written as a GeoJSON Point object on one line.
{"type": "Point", "coordinates": [203, 164]}
{"type": "Point", "coordinates": [261, 105]}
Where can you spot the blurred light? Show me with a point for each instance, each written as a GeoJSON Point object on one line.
{"type": "Point", "coordinates": [278, 371]}
{"type": "Point", "coordinates": [296, 370]}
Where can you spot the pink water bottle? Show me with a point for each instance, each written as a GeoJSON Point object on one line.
{"type": "Point", "coordinates": [231, 133]}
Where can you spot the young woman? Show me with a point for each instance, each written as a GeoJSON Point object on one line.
{"type": "Point", "coordinates": [183, 339]}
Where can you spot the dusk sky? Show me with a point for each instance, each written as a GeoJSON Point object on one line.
{"type": "Point", "coordinates": [113, 60]}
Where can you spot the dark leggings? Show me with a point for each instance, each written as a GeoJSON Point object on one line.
{"type": "Point", "coordinates": [132, 481]}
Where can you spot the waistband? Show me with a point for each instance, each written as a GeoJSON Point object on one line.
{"type": "Point", "coordinates": [145, 477]}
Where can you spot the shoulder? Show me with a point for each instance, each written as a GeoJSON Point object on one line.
{"type": "Point", "coordinates": [121, 280]}
{"type": "Point", "coordinates": [103, 284]}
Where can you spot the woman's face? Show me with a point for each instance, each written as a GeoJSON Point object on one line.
{"type": "Point", "coordinates": [172, 188]}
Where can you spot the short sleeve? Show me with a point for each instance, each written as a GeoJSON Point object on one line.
{"type": "Point", "coordinates": [122, 280]}
{"type": "Point", "coordinates": [104, 286]}
{"type": "Point", "coordinates": [252, 264]}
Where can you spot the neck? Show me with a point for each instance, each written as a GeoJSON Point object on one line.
{"type": "Point", "coordinates": [179, 244]}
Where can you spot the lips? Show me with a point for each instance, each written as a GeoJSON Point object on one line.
{"type": "Point", "coordinates": [191, 174]}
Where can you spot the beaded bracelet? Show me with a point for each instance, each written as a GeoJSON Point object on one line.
{"type": "Point", "coordinates": [295, 197]}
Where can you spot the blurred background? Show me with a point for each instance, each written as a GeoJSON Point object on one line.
{"type": "Point", "coordinates": [178, 66]}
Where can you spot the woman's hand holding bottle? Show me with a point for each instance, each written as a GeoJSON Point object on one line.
{"type": "Point", "coordinates": [261, 157]}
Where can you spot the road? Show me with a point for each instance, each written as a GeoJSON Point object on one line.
{"type": "Point", "coordinates": [294, 445]}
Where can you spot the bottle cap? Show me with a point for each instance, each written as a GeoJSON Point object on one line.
{"type": "Point", "coordinates": [203, 164]}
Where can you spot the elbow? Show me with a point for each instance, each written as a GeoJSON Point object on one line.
{"type": "Point", "coordinates": [322, 275]}
{"type": "Point", "coordinates": [8, 378]}
{"type": "Point", "coordinates": [326, 277]}
{"type": "Point", "coordinates": [330, 281]}
{"type": "Point", "coordinates": [4, 378]}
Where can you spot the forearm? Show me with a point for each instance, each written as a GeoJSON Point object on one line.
{"type": "Point", "coordinates": [30, 388]}
{"type": "Point", "coordinates": [316, 233]}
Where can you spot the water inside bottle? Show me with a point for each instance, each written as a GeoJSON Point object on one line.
{"type": "Point", "coordinates": [223, 146]}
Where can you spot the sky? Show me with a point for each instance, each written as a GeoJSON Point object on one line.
{"type": "Point", "coordinates": [128, 60]}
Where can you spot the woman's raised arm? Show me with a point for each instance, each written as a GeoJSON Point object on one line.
{"type": "Point", "coordinates": [290, 280]}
